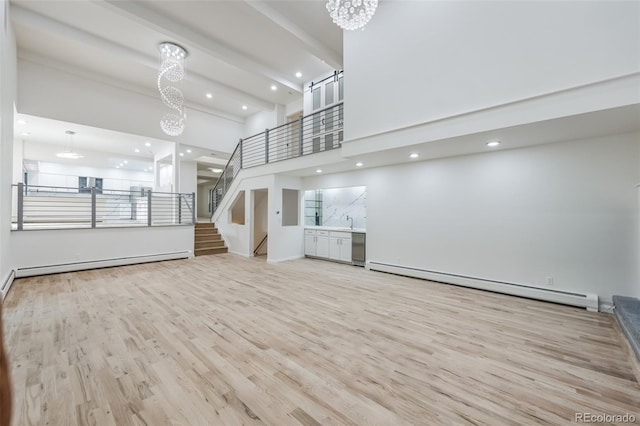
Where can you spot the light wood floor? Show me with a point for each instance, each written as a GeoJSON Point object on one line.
{"type": "Point", "coordinates": [223, 340]}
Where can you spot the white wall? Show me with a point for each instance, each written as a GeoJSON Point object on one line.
{"type": "Point", "coordinates": [7, 97]}
{"type": "Point", "coordinates": [203, 199]}
{"type": "Point", "coordinates": [42, 248]}
{"type": "Point", "coordinates": [51, 93]}
{"type": "Point", "coordinates": [259, 122]}
{"type": "Point", "coordinates": [66, 175]}
{"type": "Point", "coordinates": [417, 62]}
{"type": "Point", "coordinates": [238, 237]}
{"type": "Point", "coordinates": [567, 210]}
{"type": "Point", "coordinates": [285, 242]}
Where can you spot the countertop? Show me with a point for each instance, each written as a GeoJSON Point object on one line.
{"type": "Point", "coordinates": [335, 228]}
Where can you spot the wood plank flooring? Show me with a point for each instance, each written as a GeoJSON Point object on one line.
{"type": "Point", "coordinates": [224, 340]}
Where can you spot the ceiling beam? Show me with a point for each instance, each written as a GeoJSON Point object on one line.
{"type": "Point", "coordinates": [32, 19]}
{"type": "Point", "coordinates": [187, 36]}
{"type": "Point", "coordinates": [313, 45]}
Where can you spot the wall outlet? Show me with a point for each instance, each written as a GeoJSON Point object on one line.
{"type": "Point", "coordinates": [550, 281]}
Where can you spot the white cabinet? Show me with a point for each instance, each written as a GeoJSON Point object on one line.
{"type": "Point", "coordinates": [316, 243]}
{"type": "Point", "coordinates": [309, 242]}
{"type": "Point", "coordinates": [322, 244]}
{"type": "Point", "coordinates": [334, 245]}
{"type": "Point", "coordinates": [340, 246]}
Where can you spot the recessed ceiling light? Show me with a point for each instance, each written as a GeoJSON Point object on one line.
{"type": "Point", "coordinates": [117, 167]}
{"type": "Point", "coordinates": [244, 107]}
{"type": "Point", "coordinates": [136, 150]}
{"type": "Point", "coordinates": [125, 162]}
{"type": "Point", "coordinates": [319, 171]}
{"type": "Point", "coordinates": [215, 170]}
{"type": "Point", "coordinates": [147, 144]}
{"type": "Point", "coordinates": [182, 154]}
{"type": "Point", "coordinates": [209, 95]}
{"type": "Point", "coordinates": [414, 155]}
{"type": "Point", "coordinates": [298, 74]}
{"type": "Point", "coordinates": [493, 144]}
{"type": "Point", "coordinates": [188, 151]}
{"type": "Point", "coordinates": [145, 170]}
{"type": "Point", "coordinates": [274, 87]}
{"type": "Point", "coordinates": [25, 133]}
{"type": "Point", "coordinates": [359, 164]}
{"type": "Point", "coordinates": [121, 165]}
{"type": "Point", "coordinates": [21, 121]}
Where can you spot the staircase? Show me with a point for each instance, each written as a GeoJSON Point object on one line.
{"type": "Point", "coordinates": [208, 240]}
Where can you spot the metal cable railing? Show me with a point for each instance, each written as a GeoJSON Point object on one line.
{"type": "Point", "coordinates": [317, 132]}
{"type": "Point", "coordinates": [48, 207]}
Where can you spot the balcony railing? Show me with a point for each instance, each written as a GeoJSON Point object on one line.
{"type": "Point", "coordinates": [317, 132]}
{"type": "Point", "coordinates": [52, 207]}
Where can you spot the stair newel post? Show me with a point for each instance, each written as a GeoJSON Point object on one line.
{"type": "Point", "coordinates": [93, 207]}
{"type": "Point", "coordinates": [266, 146]}
{"type": "Point", "coordinates": [300, 136]}
{"type": "Point", "coordinates": [240, 148]}
{"type": "Point", "coordinates": [149, 208]}
{"type": "Point", "coordinates": [193, 209]}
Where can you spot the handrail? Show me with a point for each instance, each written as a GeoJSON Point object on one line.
{"type": "Point", "coordinates": [97, 208]}
{"type": "Point", "coordinates": [261, 244]}
{"type": "Point", "coordinates": [317, 132]}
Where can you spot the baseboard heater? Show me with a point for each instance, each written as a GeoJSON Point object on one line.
{"type": "Point", "coordinates": [95, 264]}
{"type": "Point", "coordinates": [6, 285]}
{"type": "Point", "coordinates": [588, 301]}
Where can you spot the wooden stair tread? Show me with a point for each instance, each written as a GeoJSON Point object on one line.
{"type": "Point", "coordinates": [204, 251]}
{"type": "Point", "coordinates": [207, 239]}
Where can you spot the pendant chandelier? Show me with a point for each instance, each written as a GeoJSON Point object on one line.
{"type": "Point", "coordinates": [172, 58]}
{"type": "Point", "coordinates": [351, 14]}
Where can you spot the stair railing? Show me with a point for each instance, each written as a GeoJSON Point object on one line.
{"type": "Point", "coordinates": [264, 240]}
{"type": "Point", "coordinates": [310, 134]}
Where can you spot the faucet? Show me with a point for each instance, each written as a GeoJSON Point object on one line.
{"type": "Point", "coordinates": [350, 218]}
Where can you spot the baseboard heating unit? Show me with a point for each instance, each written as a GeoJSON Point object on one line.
{"type": "Point", "coordinates": [588, 301]}
{"type": "Point", "coordinates": [102, 263]}
{"type": "Point", "coordinates": [6, 285]}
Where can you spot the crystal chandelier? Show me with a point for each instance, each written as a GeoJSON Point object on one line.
{"type": "Point", "coordinates": [351, 14]}
{"type": "Point", "coordinates": [172, 71]}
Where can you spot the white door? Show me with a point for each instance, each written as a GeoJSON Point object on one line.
{"type": "Point", "coordinates": [327, 126]}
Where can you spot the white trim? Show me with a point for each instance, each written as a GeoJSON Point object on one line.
{"type": "Point", "coordinates": [605, 306]}
{"type": "Point", "coordinates": [238, 253]}
{"type": "Point", "coordinates": [588, 301]}
{"type": "Point", "coordinates": [6, 285]}
{"type": "Point", "coordinates": [104, 263]}
{"type": "Point", "coordinates": [284, 259]}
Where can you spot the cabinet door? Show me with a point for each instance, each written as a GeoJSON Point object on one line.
{"type": "Point", "coordinates": [334, 248]}
{"type": "Point", "coordinates": [322, 246]}
{"type": "Point", "coordinates": [310, 245]}
{"type": "Point", "coordinates": [345, 249]}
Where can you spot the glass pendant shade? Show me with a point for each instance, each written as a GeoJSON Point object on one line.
{"type": "Point", "coordinates": [351, 14]}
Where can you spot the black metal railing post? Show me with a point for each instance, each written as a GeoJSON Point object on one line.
{"type": "Point", "coordinates": [179, 209]}
{"type": "Point", "coordinates": [240, 147]}
{"type": "Point", "coordinates": [149, 195]}
{"type": "Point", "coordinates": [193, 208]}
{"type": "Point", "coordinates": [93, 206]}
{"type": "Point", "coordinates": [266, 146]}
{"type": "Point", "coordinates": [300, 136]}
{"type": "Point", "coordinates": [20, 206]}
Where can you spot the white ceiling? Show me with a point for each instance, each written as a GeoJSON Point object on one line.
{"type": "Point", "coordinates": [237, 50]}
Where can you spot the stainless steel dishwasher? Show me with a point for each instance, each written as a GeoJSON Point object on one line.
{"type": "Point", "coordinates": [358, 248]}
